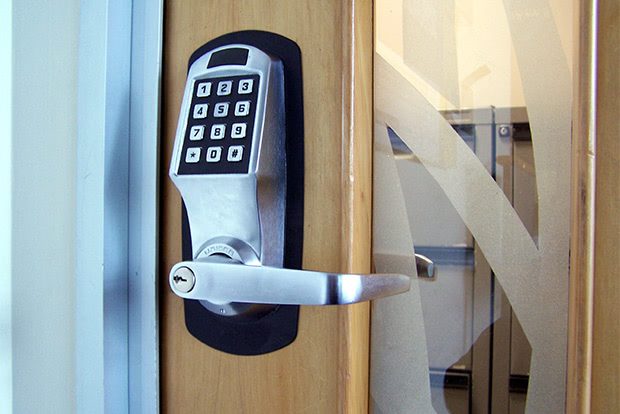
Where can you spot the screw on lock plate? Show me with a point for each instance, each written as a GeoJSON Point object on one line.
{"type": "Point", "coordinates": [184, 279]}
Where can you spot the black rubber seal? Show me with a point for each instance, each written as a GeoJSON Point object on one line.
{"type": "Point", "coordinates": [278, 328]}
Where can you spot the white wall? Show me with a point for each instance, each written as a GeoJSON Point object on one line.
{"type": "Point", "coordinates": [6, 375]}
{"type": "Point", "coordinates": [45, 53]}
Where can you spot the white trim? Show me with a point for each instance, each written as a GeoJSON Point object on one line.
{"type": "Point", "coordinates": [147, 36]}
{"type": "Point", "coordinates": [117, 352]}
{"type": "Point", "coordinates": [102, 198]}
{"type": "Point", "coordinates": [6, 130]}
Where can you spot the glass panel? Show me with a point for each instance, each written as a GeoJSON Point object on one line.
{"type": "Point", "coordinates": [474, 97]}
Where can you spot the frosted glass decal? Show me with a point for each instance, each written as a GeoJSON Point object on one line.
{"type": "Point", "coordinates": [534, 279]}
{"type": "Point", "coordinates": [547, 88]}
{"type": "Point", "coordinates": [399, 362]}
{"type": "Point", "coordinates": [436, 42]}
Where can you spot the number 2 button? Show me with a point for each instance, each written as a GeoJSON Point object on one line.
{"type": "Point", "coordinates": [224, 88]}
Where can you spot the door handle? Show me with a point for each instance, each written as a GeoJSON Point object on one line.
{"type": "Point", "coordinates": [220, 280]}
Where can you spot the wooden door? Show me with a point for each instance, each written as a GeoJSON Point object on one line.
{"type": "Point", "coordinates": [326, 369]}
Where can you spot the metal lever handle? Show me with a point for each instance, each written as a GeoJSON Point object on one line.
{"type": "Point", "coordinates": [220, 279]}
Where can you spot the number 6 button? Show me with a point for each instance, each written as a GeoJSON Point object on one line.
{"type": "Point", "coordinates": [242, 108]}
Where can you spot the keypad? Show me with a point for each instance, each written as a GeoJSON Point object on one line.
{"type": "Point", "coordinates": [220, 124]}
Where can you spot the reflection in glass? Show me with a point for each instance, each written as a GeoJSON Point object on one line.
{"type": "Point", "coordinates": [498, 74]}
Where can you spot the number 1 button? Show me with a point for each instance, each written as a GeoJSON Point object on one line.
{"type": "Point", "coordinates": [204, 89]}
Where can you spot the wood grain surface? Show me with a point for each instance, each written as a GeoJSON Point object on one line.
{"type": "Point", "coordinates": [594, 329]}
{"type": "Point", "coordinates": [606, 320]}
{"type": "Point", "coordinates": [326, 369]}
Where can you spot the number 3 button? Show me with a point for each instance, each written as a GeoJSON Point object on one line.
{"type": "Point", "coordinates": [245, 86]}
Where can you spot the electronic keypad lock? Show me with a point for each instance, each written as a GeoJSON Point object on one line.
{"type": "Point", "coordinates": [238, 164]}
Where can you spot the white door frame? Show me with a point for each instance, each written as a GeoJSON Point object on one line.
{"type": "Point", "coordinates": [119, 72]}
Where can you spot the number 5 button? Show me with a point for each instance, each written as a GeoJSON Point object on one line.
{"type": "Point", "coordinates": [242, 108]}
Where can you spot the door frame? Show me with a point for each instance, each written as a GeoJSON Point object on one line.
{"type": "Point", "coordinates": [116, 318]}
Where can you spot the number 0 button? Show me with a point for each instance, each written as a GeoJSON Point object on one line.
{"type": "Point", "coordinates": [242, 108]}
{"type": "Point", "coordinates": [214, 154]}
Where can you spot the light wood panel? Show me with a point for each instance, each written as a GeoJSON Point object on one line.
{"type": "Point", "coordinates": [326, 369]}
{"type": "Point", "coordinates": [606, 323]}
{"type": "Point", "coordinates": [582, 213]}
{"type": "Point", "coordinates": [594, 333]}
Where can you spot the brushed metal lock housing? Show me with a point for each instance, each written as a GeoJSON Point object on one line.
{"type": "Point", "coordinates": [238, 165]}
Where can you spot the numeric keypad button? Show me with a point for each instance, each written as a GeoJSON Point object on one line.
{"type": "Point", "coordinates": [218, 131]}
{"type": "Point", "coordinates": [242, 108]}
{"type": "Point", "coordinates": [221, 110]}
{"type": "Point", "coordinates": [197, 132]}
{"type": "Point", "coordinates": [245, 86]}
{"type": "Point", "coordinates": [204, 89]}
{"type": "Point", "coordinates": [200, 111]}
{"type": "Point", "coordinates": [238, 130]}
{"type": "Point", "coordinates": [235, 153]}
{"type": "Point", "coordinates": [192, 155]}
{"type": "Point", "coordinates": [224, 88]}
{"type": "Point", "coordinates": [214, 154]}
